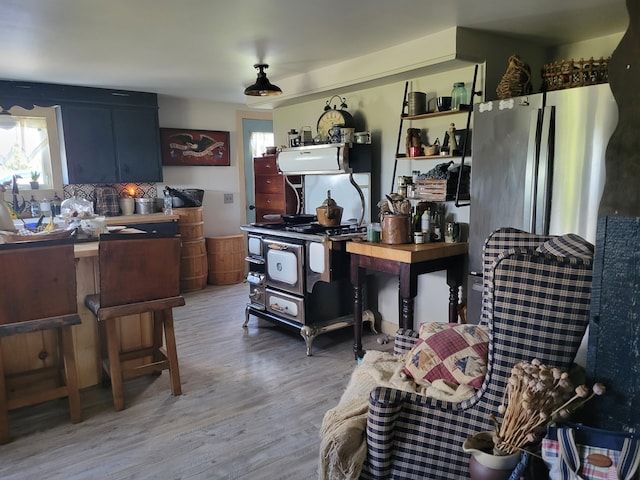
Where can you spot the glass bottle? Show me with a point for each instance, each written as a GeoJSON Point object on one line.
{"type": "Point", "coordinates": [55, 204]}
{"type": "Point", "coordinates": [35, 207]}
{"type": "Point", "coordinates": [45, 207]}
{"type": "Point", "coordinates": [436, 228]}
{"type": "Point", "coordinates": [168, 203]}
{"type": "Point", "coordinates": [458, 95]}
{"type": "Point", "coordinates": [426, 225]}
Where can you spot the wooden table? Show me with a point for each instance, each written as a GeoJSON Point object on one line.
{"type": "Point", "coordinates": [407, 261]}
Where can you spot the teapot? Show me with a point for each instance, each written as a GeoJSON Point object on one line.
{"type": "Point", "coordinates": [329, 213]}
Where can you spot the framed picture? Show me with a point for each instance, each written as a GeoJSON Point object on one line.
{"type": "Point", "coordinates": [194, 147]}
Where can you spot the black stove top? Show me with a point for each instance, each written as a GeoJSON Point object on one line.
{"type": "Point", "coordinates": [314, 228]}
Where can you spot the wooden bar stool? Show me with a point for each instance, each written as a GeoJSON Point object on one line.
{"type": "Point", "coordinates": [38, 301]}
{"type": "Point", "coordinates": [139, 274]}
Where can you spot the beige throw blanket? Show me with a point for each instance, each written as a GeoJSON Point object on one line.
{"type": "Point", "coordinates": [343, 446]}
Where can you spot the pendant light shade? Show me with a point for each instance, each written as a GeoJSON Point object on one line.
{"type": "Point", "coordinates": [263, 87]}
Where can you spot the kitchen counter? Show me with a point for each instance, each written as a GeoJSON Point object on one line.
{"type": "Point", "coordinates": [139, 218]}
{"type": "Point", "coordinates": [136, 330]}
{"type": "Point", "coordinates": [408, 261]}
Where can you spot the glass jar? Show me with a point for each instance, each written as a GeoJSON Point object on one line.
{"type": "Point", "coordinates": [458, 95]}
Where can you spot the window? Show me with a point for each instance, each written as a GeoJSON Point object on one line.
{"type": "Point", "coordinates": [29, 145]}
{"type": "Point", "coordinates": [260, 141]}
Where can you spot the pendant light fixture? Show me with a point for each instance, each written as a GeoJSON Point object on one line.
{"type": "Point", "coordinates": [263, 87]}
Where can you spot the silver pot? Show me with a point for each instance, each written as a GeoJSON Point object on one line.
{"type": "Point", "coordinates": [145, 206]}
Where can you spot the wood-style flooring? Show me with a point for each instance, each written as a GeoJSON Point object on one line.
{"type": "Point", "coordinates": [251, 407]}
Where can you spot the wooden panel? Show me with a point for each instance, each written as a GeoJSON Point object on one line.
{"type": "Point", "coordinates": [269, 184]}
{"type": "Point", "coordinates": [265, 165]}
{"type": "Point", "coordinates": [270, 201]}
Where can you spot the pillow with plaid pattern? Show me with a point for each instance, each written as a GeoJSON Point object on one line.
{"type": "Point", "coordinates": [569, 245]}
{"type": "Point", "coordinates": [449, 351]}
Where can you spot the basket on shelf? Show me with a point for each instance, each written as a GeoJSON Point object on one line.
{"type": "Point", "coordinates": [441, 190]}
{"type": "Point", "coordinates": [575, 73]}
{"type": "Point", "coordinates": [516, 80]}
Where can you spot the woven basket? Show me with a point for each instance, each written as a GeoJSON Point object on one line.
{"type": "Point", "coordinates": [572, 73]}
{"type": "Point", "coordinates": [516, 80]}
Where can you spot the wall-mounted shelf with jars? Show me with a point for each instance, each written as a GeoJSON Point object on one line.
{"type": "Point", "coordinates": [464, 108]}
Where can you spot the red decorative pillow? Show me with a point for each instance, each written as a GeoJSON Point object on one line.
{"type": "Point", "coordinates": [449, 351]}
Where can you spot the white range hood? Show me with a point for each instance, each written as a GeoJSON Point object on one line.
{"type": "Point", "coordinates": [330, 158]}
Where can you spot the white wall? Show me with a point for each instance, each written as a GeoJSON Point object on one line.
{"type": "Point", "coordinates": [219, 218]}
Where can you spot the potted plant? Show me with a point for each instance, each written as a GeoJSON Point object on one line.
{"type": "Point", "coordinates": [34, 180]}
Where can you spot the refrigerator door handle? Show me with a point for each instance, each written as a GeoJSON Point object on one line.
{"type": "Point", "coordinates": [531, 174]}
{"type": "Point", "coordinates": [545, 169]}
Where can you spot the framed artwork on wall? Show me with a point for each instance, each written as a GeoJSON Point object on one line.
{"type": "Point", "coordinates": [194, 147]}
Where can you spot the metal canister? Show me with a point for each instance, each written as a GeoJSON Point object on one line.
{"type": "Point", "coordinates": [417, 104]}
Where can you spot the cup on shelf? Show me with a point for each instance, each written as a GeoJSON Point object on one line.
{"type": "Point", "coordinates": [443, 104]}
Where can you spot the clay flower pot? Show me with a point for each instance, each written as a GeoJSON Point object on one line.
{"type": "Point", "coordinates": [484, 464]}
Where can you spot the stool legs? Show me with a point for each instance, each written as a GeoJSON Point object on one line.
{"type": "Point", "coordinates": [115, 368]}
{"type": "Point", "coordinates": [162, 357]}
{"type": "Point", "coordinates": [71, 389]}
{"type": "Point", "coordinates": [172, 351]}
{"type": "Point", "coordinates": [71, 374]}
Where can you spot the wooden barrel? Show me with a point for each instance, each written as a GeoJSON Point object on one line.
{"type": "Point", "coordinates": [190, 225]}
{"type": "Point", "coordinates": [226, 259]}
{"type": "Point", "coordinates": [193, 255]}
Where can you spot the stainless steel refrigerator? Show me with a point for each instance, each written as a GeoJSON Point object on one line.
{"type": "Point", "coordinates": [537, 165]}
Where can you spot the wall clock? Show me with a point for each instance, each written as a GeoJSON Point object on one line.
{"type": "Point", "coordinates": [332, 117]}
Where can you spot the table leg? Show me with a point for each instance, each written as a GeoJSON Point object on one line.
{"type": "Point", "coordinates": [454, 280]}
{"type": "Point", "coordinates": [357, 280]}
{"type": "Point", "coordinates": [407, 290]}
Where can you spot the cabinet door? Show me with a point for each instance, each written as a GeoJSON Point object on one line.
{"type": "Point", "coordinates": [88, 140]}
{"type": "Point", "coordinates": [137, 145]}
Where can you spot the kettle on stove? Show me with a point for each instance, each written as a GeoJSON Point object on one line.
{"type": "Point", "coordinates": [329, 213]}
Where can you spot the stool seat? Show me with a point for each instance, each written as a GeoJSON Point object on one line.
{"type": "Point", "coordinates": [37, 269]}
{"type": "Point", "coordinates": [139, 274]}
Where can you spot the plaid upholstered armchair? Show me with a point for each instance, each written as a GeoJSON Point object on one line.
{"type": "Point", "coordinates": [536, 297]}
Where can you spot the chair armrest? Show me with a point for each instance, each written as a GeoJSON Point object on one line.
{"type": "Point", "coordinates": [408, 434]}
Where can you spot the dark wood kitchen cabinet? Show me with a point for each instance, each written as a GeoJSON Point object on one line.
{"type": "Point", "coordinates": [107, 136]}
{"type": "Point", "coordinates": [273, 195]}
{"type": "Point", "coordinates": [111, 144]}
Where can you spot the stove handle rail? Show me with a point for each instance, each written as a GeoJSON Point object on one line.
{"type": "Point", "coordinates": [361, 194]}
{"type": "Point", "coordinates": [257, 261]}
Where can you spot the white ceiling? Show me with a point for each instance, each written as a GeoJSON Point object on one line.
{"type": "Point", "coordinates": [206, 48]}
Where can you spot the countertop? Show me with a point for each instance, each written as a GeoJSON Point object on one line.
{"type": "Point", "coordinates": [138, 218]}
{"type": "Point", "coordinates": [408, 252]}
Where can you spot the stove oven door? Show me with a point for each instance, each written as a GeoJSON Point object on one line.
{"type": "Point", "coordinates": [284, 265]}
{"type": "Point", "coordinates": [287, 306]}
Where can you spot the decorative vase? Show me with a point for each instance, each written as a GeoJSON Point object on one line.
{"type": "Point", "coordinates": [484, 464]}
{"type": "Point", "coordinates": [34, 185]}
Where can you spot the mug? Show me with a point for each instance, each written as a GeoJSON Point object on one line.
{"type": "Point", "coordinates": [443, 104]}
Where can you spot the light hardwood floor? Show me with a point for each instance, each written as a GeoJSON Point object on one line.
{"type": "Point", "coordinates": [251, 407]}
